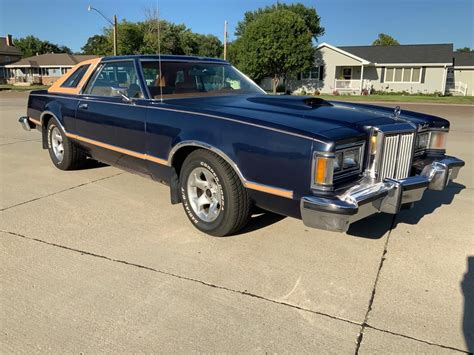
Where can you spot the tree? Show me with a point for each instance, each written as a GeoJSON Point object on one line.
{"type": "Point", "coordinates": [463, 49]}
{"type": "Point", "coordinates": [308, 14]}
{"type": "Point", "coordinates": [276, 44]}
{"type": "Point", "coordinates": [98, 45]}
{"type": "Point", "coordinates": [385, 40]}
{"type": "Point", "coordinates": [31, 45]}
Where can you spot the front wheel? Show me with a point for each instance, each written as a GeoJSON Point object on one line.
{"type": "Point", "coordinates": [214, 198]}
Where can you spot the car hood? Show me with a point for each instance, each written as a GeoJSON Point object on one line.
{"type": "Point", "coordinates": [310, 116]}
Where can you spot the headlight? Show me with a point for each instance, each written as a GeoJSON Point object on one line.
{"type": "Point", "coordinates": [422, 140]}
{"type": "Point", "coordinates": [346, 160]}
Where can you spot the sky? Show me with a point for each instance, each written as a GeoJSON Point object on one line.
{"type": "Point", "coordinates": [347, 22]}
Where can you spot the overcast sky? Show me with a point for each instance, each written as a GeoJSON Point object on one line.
{"type": "Point", "coordinates": [347, 22]}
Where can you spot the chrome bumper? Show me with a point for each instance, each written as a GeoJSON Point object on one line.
{"type": "Point", "coordinates": [369, 197]}
{"type": "Point", "coordinates": [25, 123]}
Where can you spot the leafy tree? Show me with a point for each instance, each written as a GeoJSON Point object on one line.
{"type": "Point", "coordinates": [98, 45]}
{"type": "Point", "coordinates": [275, 44]}
{"type": "Point", "coordinates": [308, 14]}
{"type": "Point", "coordinates": [385, 40]}
{"type": "Point", "coordinates": [31, 45]}
{"type": "Point", "coordinates": [463, 49]}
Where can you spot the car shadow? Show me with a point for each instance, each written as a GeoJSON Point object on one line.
{"type": "Point", "coordinates": [376, 226]}
{"type": "Point", "coordinates": [260, 219]}
{"type": "Point", "coordinates": [467, 287]}
{"type": "Point", "coordinates": [91, 164]}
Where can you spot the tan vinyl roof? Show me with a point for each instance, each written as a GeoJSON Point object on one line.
{"type": "Point", "coordinates": [51, 59]}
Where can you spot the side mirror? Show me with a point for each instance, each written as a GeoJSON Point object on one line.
{"type": "Point", "coordinates": [122, 92]}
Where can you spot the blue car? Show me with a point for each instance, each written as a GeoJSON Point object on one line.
{"type": "Point", "coordinates": [224, 147]}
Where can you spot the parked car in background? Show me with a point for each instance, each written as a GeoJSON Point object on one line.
{"type": "Point", "coordinates": [224, 146]}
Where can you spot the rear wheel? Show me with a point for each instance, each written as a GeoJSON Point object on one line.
{"type": "Point", "coordinates": [213, 196]}
{"type": "Point", "coordinates": [63, 152]}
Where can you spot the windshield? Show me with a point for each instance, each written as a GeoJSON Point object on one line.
{"type": "Point", "coordinates": [188, 79]}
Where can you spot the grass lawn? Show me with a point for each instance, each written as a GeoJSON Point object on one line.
{"type": "Point", "coordinates": [468, 100]}
{"type": "Point", "coordinates": [22, 88]}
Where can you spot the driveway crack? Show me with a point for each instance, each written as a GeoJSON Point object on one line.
{"type": "Point", "coordinates": [61, 191]}
{"type": "Point", "coordinates": [374, 288]}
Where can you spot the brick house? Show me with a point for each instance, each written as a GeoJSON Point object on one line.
{"type": "Point", "coordinates": [42, 69]}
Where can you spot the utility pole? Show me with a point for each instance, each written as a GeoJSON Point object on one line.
{"type": "Point", "coordinates": [115, 35]}
{"type": "Point", "coordinates": [225, 40]}
{"type": "Point", "coordinates": [113, 23]}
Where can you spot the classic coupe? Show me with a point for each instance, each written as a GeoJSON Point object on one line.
{"type": "Point", "coordinates": [224, 146]}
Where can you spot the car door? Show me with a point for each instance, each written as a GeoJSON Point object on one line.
{"type": "Point", "coordinates": [110, 117]}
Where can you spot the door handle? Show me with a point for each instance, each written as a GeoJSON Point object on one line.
{"type": "Point", "coordinates": [83, 106]}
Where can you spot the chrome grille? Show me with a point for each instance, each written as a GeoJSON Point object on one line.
{"type": "Point", "coordinates": [396, 156]}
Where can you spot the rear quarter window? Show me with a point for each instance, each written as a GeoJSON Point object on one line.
{"type": "Point", "coordinates": [75, 78]}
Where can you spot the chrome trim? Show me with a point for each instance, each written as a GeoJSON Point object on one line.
{"type": "Point", "coordinates": [54, 116]}
{"type": "Point", "coordinates": [25, 123]}
{"type": "Point", "coordinates": [370, 197]}
{"type": "Point", "coordinates": [193, 143]}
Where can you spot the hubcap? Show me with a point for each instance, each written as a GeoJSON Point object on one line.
{"type": "Point", "coordinates": [204, 194]}
{"type": "Point", "coordinates": [57, 144]}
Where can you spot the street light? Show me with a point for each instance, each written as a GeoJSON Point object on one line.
{"type": "Point", "coordinates": [113, 23]}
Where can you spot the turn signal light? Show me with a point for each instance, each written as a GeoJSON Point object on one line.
{"type": "Point", "coordinates": [438, 140]}
{"type": "Point", "coordinates": [323, 170]}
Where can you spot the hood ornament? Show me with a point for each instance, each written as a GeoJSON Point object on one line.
{"type": "Point", "coordinates": [396, 112]}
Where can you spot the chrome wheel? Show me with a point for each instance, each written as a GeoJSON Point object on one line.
{"type": "Point", "coordinates": [57, 144]}
{"type": "Point", "coordinates": [205, 194]}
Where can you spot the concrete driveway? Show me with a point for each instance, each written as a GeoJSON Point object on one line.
{"type": "Point", "coordinates": [97, 260]}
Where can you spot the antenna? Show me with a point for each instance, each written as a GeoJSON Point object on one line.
{"type": "Point", "coordinates": [159, 55]}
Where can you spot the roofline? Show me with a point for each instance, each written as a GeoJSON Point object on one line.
{"type": "Point", "coordinates": [39, 66]}
{"type": "Point", "coordinates": [362, 60]}
{"type": "Point", "coordinates": [405, 64]}
{"type": "Point", "coordinates": [163, 57]}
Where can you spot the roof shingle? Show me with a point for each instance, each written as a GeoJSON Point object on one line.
{"type": "Point", "coordinates": [464, 59]}
{"type": "Point", "coordinates": [51, 59]}
{"type": "Point", "coordinates": [410, 53]}
{"type": "Point", "coordinates": [8, 50]}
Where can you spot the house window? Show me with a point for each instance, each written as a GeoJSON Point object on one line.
{"type": "Point", "coordinates": [347, 73]}
{"type": "Point", "coordinates": [402, 75]}
{"type": "Point", "coordinates": [316, 73]}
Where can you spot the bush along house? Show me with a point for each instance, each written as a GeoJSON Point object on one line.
{"type": "Point", "coordinates": [42, 69]}
{"type": "Point", "coordinates": [410, 69]}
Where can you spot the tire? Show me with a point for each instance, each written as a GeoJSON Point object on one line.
{"type": "Point", "coordinates": [229, 205]}
{"type": "Point", "coordinates": [62, 151]}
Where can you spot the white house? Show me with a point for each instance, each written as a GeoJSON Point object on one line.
{"type": "Point", "coordinates": [420, 68]}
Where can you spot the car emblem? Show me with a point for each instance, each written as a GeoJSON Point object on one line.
{"type": "Point", "coordinates": [396, 112]}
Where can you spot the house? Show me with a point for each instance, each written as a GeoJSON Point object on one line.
{"type": "Point", "coordinates": [41, 69]}
{"type": "Point", "coordinates": [420, 68]}
{"type": "Point", "coordinates": [460, 79]}
{"type": "Point", "coordinates": [8, 53]}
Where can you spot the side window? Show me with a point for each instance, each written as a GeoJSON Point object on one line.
{"type": "Point", "coordinates": [112, 79]}
{"type": "Point", "coordinates": [73, 80]}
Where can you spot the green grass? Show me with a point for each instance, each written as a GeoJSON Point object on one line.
{"type": "Point", "coordinates": [468, 100]}
{"type": "Point", "coordinates": [22, 88]}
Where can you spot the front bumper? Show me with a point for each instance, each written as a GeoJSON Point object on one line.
{"type": "Point", "coordinates": [369, 197]}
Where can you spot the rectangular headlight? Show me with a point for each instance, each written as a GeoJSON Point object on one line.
{"type": "Point", "coordinates": [348, 158]}
{"type": "Point", "coordinates": [422, 140]}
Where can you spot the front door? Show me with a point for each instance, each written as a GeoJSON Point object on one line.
{"type": "Point", "coordinates": [110, 116]}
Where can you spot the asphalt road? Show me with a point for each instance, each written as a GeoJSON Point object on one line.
{"type": "Point", "coordinates": [98, 260]}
